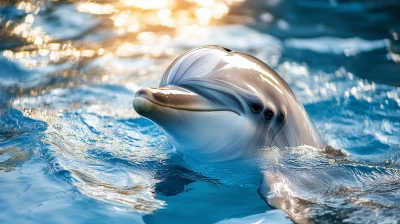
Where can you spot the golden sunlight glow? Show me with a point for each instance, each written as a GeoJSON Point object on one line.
{"type": "Point", "coordinates": [28, 7]}
{"type": "Point", "coordinates": [93, 8]}
{"type": "Point", "coordinates": [147, 4]}
{"type": "Point", "coordinates": [203, 16]}
{"type": "Point", "coordinates": [153, 22]}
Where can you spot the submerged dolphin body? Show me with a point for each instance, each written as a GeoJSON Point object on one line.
{"type": "Point", "coordinates": [216, 104]}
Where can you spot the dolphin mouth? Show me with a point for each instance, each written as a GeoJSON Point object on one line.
{"type": "Point", "coordinates": [175, 97]}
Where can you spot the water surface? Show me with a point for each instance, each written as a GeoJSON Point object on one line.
{"type": "Point", "coordinates": [73, 150]}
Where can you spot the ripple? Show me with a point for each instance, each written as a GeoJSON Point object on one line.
{"type": "Point", "coordinates": [334, 45]}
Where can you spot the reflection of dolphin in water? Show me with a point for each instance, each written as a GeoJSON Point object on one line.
{"type": "Point", "coordinates": [216, 105]}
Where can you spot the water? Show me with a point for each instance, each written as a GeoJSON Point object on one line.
{"type": "Point", "coordinates": [73, 150]}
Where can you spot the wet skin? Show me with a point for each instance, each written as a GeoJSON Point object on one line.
{"type": "Point", "coordinates": [216, 104]}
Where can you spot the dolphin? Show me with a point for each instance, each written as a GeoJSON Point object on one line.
{"type": "Point", "coordinates": [216, 104]}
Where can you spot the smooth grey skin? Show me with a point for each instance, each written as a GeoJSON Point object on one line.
{"type": "Point", "coordinates": [216, 104]}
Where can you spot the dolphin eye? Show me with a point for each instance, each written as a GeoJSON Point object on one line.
{"type": "Point", "coordinates": [268, 114]}
{"type": "Point", "coordinates": [256, 108]}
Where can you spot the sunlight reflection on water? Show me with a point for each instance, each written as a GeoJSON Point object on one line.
{"type": "Point", "coordinates": [141, 18]}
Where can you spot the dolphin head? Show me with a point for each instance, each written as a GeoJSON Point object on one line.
{"type": "Point", "coordinates": [216, 104]}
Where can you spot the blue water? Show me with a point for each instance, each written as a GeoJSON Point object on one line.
{"type": "Point", "coordinates": [72, 149]}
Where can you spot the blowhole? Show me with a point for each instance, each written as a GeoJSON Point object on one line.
{"type": "Point", "coordinates": [227, 49]}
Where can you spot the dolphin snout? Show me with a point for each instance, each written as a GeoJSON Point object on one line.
{"type": "Point", "coordinates": [173, 97]}
{"type": "Point", "coordinates": [143, 91]}
{"type": "Point", "coordinates": [148, 99]}
{"type": "Point", "coordinates": [141, 102]}
{"type": "Point", "coordinates": [166, 96]}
